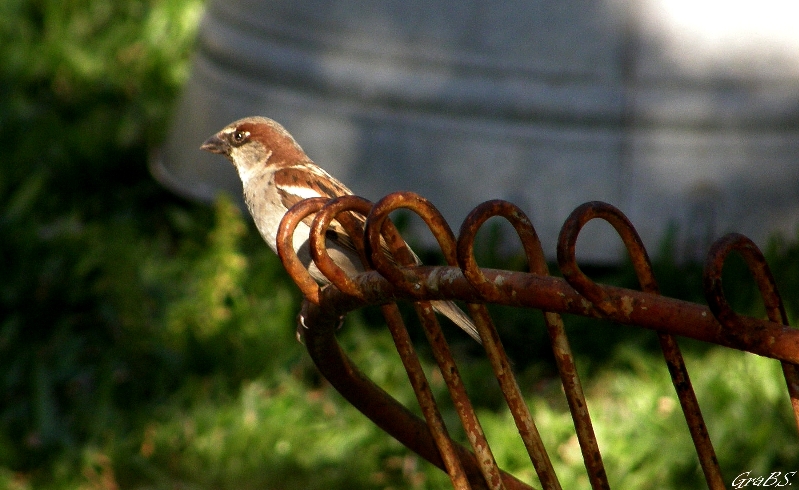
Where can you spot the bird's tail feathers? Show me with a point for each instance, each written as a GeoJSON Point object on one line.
{"type": "Point", "coordinates": [458, 317]}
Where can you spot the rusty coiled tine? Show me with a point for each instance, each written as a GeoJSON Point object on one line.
{"type": "Point", "coordinates": [405, 279]}
{"type": "Point", "coordinates": [491, 292]}
{"type": "Point", "coordinates": [607, 305]}
{"type": "Point", "coordinates": [736, 325]}
{"type": "Point", "coordinates": [337, 209]}
{"type": "Point", "coordinates": [285, 246]}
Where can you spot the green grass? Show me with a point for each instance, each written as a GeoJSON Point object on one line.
{"type": "Point", "coordinates": [148, 342]}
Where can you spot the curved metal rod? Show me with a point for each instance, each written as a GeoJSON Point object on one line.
{"type": "Point", "coordinates": [756, 262]}
{"type": "Point", "coordinates": [496, 353]}
{"type": "Point", "coordinates": [646, 278]}
{"type": "Point", "coordinates": [324, 307]}
{"type": "Point", "coordinates": [468, 232]}
{"type": "Point", "coordinates": [376, 229]}
{"type": "Point", "coordinates": [567, 257]}
{"type": "Point", "coordinates": [285, 246]}
{"type": "Point", "coordinates": [340, 209]}
{"type": "Point", "coordinates": [740, 326]}
{"type": "Point", "coordinates": [521, 289]}
{"type": "Point", "coordinates": [404, 278]}
{"type": "Point", "coordinates": [375, 403]}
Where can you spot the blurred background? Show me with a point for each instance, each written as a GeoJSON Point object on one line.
{"type": "Point", "coordinates": [147, 333]}
{"type": "Point", "coordinates": [682, 114]}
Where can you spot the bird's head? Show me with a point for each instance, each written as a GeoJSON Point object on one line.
{"type": "Point", "coordinates": [253, 143]}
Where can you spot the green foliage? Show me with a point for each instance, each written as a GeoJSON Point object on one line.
{"type": "Point", "coordinates": [148, 342]}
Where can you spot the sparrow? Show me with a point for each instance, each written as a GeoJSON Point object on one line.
{"type": "Point", "coordinates": [276, 174]}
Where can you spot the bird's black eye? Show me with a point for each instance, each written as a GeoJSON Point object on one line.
{"type": "Point", "coordinates": [240, 136]}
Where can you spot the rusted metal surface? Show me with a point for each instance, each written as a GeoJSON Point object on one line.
{"type": "Point", "coordinates": [392, 276]}
{"type": "Point", "coordinates": [732, 322]}
{"type": "Point", "coordinates": [560, 344]}
{"type": "Point", "coordinates": [668, 344]}
{"type": "Point", "coordinates": [341, 210]}
{"type": "Point", "coordinates": [449, 370]}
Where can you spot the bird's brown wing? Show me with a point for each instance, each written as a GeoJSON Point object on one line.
{"type": "Point", "coordinates": [306, 180]}
{"type": "Point", "coordinates": [294, 185]}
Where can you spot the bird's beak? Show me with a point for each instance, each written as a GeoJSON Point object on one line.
{"type": "Point", "coordinates": [215, 144]}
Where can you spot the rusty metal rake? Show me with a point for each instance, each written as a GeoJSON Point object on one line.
{"type": "Point", "coordinates": [391, 279]}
